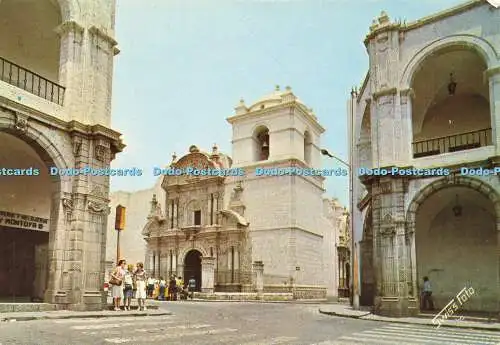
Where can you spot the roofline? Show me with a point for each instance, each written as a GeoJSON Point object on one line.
{"type": "Point", "coordinates": [444, 14]}
{"type": "Point", "coordinates": [453, 11]}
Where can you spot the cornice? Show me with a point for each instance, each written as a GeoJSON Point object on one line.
{"type": "Point", "coordinates": [69, 26]}
{"type": "Point", "coordinates": [407, 92]}
{"type": "Point", "coordinates": [381, 30]}
{"type": "Point", "coordinates": [464, 7]}
{"type": "Point", "coordinates": [71, 126]}
{"type": "Point", "coordinates": [293, 105]}
{"type": "Point", "coordinates": [103, 35]}
{"type": "Point", "coordinates": [492, 71]}
{"type": "Point", "coordinates": [385, 92]}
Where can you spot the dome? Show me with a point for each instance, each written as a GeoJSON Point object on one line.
{"type": "Point", "coordinates": [273, 99]}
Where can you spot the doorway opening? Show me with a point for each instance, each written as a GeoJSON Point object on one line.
{"type": "Point", "coordinates": [23, 254]}
{"type": "Point", "coordinates": [192, 267]}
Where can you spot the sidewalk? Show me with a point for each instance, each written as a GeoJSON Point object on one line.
{"type": "Point", "coordinates": [343, 310]}
{"type": "Point", "coordinates": [66, 314]}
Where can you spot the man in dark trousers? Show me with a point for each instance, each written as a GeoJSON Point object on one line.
{"type": "Point", "coordinates": [172, 289]}
{"type": "Point", "coordinates": [426, 297]}
{"type": "Point", "coordinates": [191, 287]}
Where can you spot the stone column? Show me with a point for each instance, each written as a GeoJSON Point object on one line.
{"type": "Point", "coordinates": [391, 249]}
{"type": "Point", "coordinates": [258, 269]}
{"type": "Point", "coordinates": [71, 65]}
{"type": "Point", "coordinates": [207, 274]}
{"type": "Point", "coordinates": [494, 81]}
{"type": "Point", "coordinates": [175, 267]}
{"type": "Point", "coordinates": [58, 283]}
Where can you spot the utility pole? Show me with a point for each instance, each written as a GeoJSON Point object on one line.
{"type": "Point", "coordinates": [119, 226]}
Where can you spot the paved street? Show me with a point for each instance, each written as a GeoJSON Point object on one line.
{"type": "Point", "coordinates": [207, 323]}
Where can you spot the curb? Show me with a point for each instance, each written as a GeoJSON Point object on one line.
{"type": "Point", "coordinates": [362, 317]}
{"type": "Point", "coordinates": [78, 316]}
{"type": "Point", "coordinates": [331, 313]}
{"type": "Point", "coordinates": [260, 301]}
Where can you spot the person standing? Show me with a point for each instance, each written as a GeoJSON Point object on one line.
{"type": "Point", "coordinates": [426, 298]}
{"type": "Point", "coordinates": [191, 287]}
{"type": "Point", "coordinates": [172, 291]}
{"type": "Point", "coordinates": [163, 287]}
{"type": "Point", "coordinates": [117, 281]}
{"type": "Point", "coordinates": [128, 288]}
{"type": "Point", "coordinates": [151, 286]}
{"type": "Point", "coordinates": [140, 279]}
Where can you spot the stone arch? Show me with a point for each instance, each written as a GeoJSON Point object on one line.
{"type": "Point", "coordinates": [48, 276]}
{"type": "Point", "coordinates": [448, 182]}
{"type": "Point", "coordinates": [44, 147]}
{"type": "Point", "coordinates": [183, 252]}
{"type": "Point", "coordinates": [261, 138]}
{"type": "Point", "coordinates": [478, 44]}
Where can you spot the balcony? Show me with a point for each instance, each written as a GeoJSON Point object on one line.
{"type": "Point", "coordinates": [452, 143]}
{"type": "Point", "coordinates": [29, 81]}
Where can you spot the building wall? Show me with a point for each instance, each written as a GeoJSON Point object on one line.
{"type": "Point", "coordinates": [386, 123]}
{"type": "Point", "coordinates": [138, 206]}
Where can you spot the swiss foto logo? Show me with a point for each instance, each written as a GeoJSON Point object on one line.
{"type": "Point", "coordinates": [494, 3]}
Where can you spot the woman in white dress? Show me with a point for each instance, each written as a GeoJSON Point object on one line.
{"type": "Point", "coordinates": [117, 283]}
{"type": "Point", "coordinates": [140, 278]}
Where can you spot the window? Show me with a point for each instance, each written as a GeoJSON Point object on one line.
{"type": "Point", "coordinates": [197, 217]}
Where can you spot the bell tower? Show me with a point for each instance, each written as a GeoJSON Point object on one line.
{"type": "Point", "coordinates": [284, 211]}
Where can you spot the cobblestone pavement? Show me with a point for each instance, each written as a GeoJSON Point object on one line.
{"type": "Point", "coordinates": [207, 323]}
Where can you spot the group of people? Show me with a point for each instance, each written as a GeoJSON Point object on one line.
{"type": "Point", "coordinates": [129, 281]}
{"type": "Point", "coordinates": [172, 290]}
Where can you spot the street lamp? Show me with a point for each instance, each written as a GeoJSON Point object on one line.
{"type": "Point", "coordinates": [354, 275]}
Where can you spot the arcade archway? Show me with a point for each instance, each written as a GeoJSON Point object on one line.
{"type": "Point", "coordinates": [25, 206]}
{"type": "Point", "coordinates": [192, 267]}
{"type": "Point", "coordinates": [456, 246]}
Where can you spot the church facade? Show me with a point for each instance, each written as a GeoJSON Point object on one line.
{"type": "Point", "coordinates": [428, 117]}
{"type": "Point", "coordinates": [244, 232]}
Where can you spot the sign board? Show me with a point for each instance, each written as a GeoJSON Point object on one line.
{"type": "Point", "coordinates": [494, 3]}
{"type": "Point", "coordinates": [120, 218]}
{"type": "Point", "coordinates": [23, 221]}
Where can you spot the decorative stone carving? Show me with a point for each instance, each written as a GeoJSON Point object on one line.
{"type": "Point", "coordinates": [388, 219]}
{"type": "Point", "coordinates": [77, 145]}
{"type": "Point", "coordinates": [67, 204]}
{"type": "Point", "coordinates": [98, 191]}
{"type": "Point", "coordinates": [97, 207]}
{"type": "Point", "coordinates": [21, 123]}
{"type": "Point", "coordinates": [388, 231]}
{"type": "Point", "coordinates": [100, 152]}
{"type": "Point", "coordinates": [386, 187]}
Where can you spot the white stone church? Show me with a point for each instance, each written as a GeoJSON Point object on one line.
{"type": "Point", "coordinates": [226, 231]}
{"type": "Point", "coordinates": [431, 99]}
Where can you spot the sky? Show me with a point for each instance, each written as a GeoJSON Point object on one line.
{"type": "Point", "coordinates": [184, 65]}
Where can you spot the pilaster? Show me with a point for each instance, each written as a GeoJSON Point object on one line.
{"type": "Point", "coordinates": [383, 47]}
{"type": "Point", "coordinates": [392, 254]}
{"type": "Point", "coordinates": [494, 82]}
{"type": "Point", "coordinates": [71, 67]}
{"type": "Point", "coordinates": [207, 274]}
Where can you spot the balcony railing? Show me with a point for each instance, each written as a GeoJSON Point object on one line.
{"type": "Point", "coordinates": [31, 82]}
{"type": "Point", "coordinates": [452, 143]}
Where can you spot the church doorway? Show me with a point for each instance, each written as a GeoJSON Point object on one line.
{"type": "Point", "coordinates": [192, 267]}
{"type": "Point", "coordinates": [23, 254]}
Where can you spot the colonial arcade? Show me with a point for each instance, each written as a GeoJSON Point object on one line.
{"type": "Point", "coordinates": [431, 99]}
{"type": "Point", "coordinates": [53, 228]}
